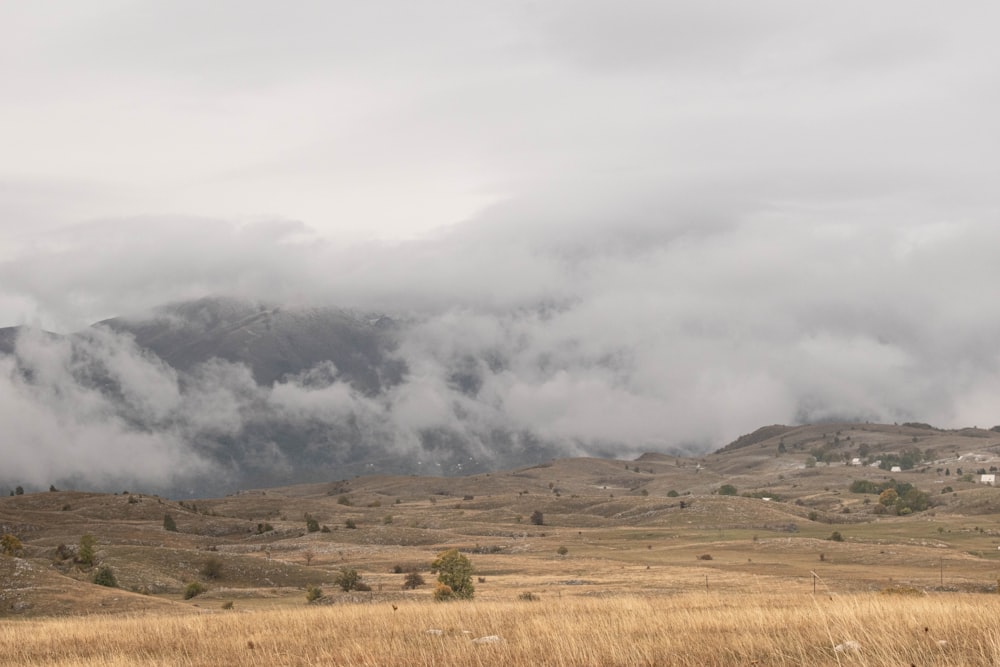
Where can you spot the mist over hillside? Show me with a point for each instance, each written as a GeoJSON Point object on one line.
{"type": "Point", "coordinates": [208, 396]}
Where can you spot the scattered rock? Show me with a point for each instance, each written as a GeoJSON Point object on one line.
{"type": "Point", "coordinates": [850, 646]}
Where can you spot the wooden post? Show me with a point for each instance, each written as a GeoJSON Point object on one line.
{"type": "Point", "coordinates": [814, 583]}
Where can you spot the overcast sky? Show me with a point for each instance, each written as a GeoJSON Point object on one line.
{"type": "Point", "coordinates": [769, 211]}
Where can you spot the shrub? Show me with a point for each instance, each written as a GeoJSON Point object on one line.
{"type": "Point", "coordinates": [347, 579]}
{"type": "Point", "coordinates": [672, 494]}
{"type": "Point", "coordinates": [864, 486]}
{"type": "Point", "coordinates": [169, 523]}
{"type": "Point", "coordinates": [194, 589]}
{"type": "Point", "coordinates": [537, 518]}
{"type": "Point", "coordinates": [344, 500]}
{"type": "Point", "coordinates": [562, 551]}
{"type": "Point", "coordinates": [10, 544]}
{"type": "Point", "coordinates": [350, 524]}
{"type": "Point", "coordinates": [813, 516]}
{"type": "Point", "coordinates": [387, 519]}
{"type": "Point", "coordinates": [313, 593]}
{"type": "Point", "coordinates": [211, 568]}
{"type": "Point", "coordinates": [727, 490]}
{"type": "Point", "coordinates": [412, 580]}
{"type": "Point", "coordinates": [528, 596]}
{"type": "Point", "coordinates": [264, 527]}
{"type": "Point", "coordinates": [705, 557]}
{"type": "Point", "coordinates": [455, 572]}
{"type": "Point", "coordinates": [85, 554]}
{"type": "Point", "coordinates": [312, 525]}
{"type": "Point", "coordinates": [443, 592]}
{"type": "Point", "coordinates": [836, 536]}
{"type": "Point", "coordinates": [105, 577]}
{"type": "Point", "coordinates": [227, 605]}
{"type": "Point", "coordinates": [362, 586]}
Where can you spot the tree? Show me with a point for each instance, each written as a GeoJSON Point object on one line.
{"type": "Point", "coordinates": [19, 491]}
{"type": "Point", "coordinates": [537, 518]}
{"type": "Point", "coordinates": [454, 571]}
{"type": "Point", "coordinates": [888, 497]}
{"type": "Point", "coordinates": [347, 579]}
{"type": "Point", "coordinates": [169, 523]}
{"type": "Point", "coordinates": [86, 554]}
{"type": "Point", "coordinates": [10, 545]}
{"type": "Point", "coordinates": [312, 525]}
{"type": "Point", "coordinates": [727, 490]}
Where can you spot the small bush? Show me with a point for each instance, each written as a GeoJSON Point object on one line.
{"type": "Point", "coordinates": [836, 536]}
{"type": "Point", "coordinates": [105, 577]}
{"type": "Point", "coordinates": [347, 579]}
{"type": "Point", "coordinates": [10, 544]}
{"type": "Point", "coordinates": [212, 568]}
{"type": "Point", "coordinates": [412, 580]}
{"type": "Point", "coordinates": [727, 490]}
{"type": "Point", "coordinates": [227, 605]}
{"type": "Point", "coordinates": [562, 551]}
{"type": "Point", "coordinates": [313, 593]}
{"type": "Point", "coordinates": [344, 500]}
{"type": "Point", "coordinates": [672, 494]}
{"type": "Point", "coordinates": [705, 557]}
{"type": "Point", "coordinates": [169, 524]}
{"type": "Point", "coordinates": [194, 589]}
{"type": "Point", "coordinates": [528, 596]}
{"type": "Point", "coordinates": [312, 525]}
{"type": "Point", "coordinates": [813, 516]}
{"type": "Point", "coordinates": [537, 518]}
{"type": "Point", "coordinates": [362, 586]}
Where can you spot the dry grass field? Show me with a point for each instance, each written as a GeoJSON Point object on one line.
{"type": "Point", "coordinates": [695, 629]}
{"type": "Point", "coordinates": [633, 563]}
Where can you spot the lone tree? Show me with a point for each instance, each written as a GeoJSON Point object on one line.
{"type": "Point", "coordinates": [537, 518]}
{"type": "Point", "coordinates": [169, 523]}
{"type": "Point", "coordinates": [86, 553]}
{"type": "Point", "coordinates": [454, 571]}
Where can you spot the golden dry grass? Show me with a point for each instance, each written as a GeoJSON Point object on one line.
{"type": "Point", "coordinates": [691, 629]}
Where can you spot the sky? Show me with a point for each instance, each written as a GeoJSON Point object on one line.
{"type": "Point", "coordinates": [768, 211]}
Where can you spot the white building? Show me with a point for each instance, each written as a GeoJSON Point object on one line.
{"type": "Point", "coordinates": [988, 479]}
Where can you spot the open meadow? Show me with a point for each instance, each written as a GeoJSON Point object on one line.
{"type": "Point", "coordinates": [574, 562]}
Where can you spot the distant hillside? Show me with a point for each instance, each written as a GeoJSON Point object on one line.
{"type": "Point", "coordinates": [275, 342]}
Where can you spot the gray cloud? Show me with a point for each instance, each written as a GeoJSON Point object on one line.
{"type": "Point", "coordinates": [654, 226]}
